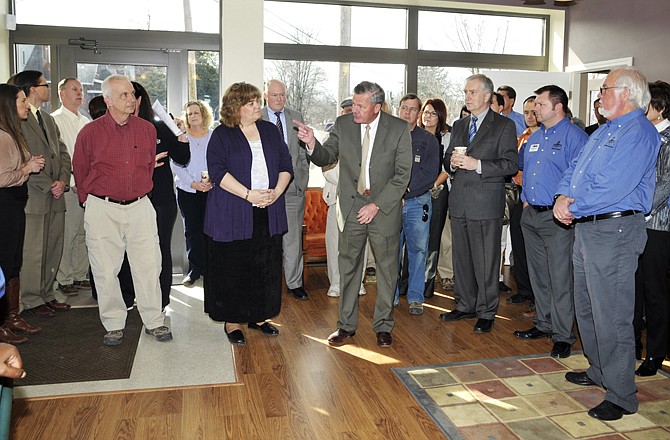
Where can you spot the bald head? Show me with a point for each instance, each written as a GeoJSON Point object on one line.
{"type": "Point", "coordinates": [275, 95]}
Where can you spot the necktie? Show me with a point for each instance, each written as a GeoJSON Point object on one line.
{"type": "Point", "coordinates": [41, 121]}
{"type": "Point", "coordinates": [364, 160]}
{"type": "Point", "coordinates": [280, 127]}
{"type": "Point", "coordinates": [473, 128]}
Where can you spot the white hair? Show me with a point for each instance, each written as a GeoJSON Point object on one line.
{"type": "Point", "coordinates": [106, 87]}
{"type": "Point", "coordinates": [636, 83]}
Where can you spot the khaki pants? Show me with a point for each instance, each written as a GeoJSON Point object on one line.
{"type": "Point", "coordinates": [111, 230]}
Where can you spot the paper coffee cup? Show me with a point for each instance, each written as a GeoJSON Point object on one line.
{"type": "Point", "coordinates": [204, 176]}
{"type": "Point", "coordinates": [460, 150]}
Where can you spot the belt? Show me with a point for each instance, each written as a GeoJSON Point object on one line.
{"type": "Point", "coordinates": [606, 216]}
{"type": "Point", "coordinates": [118, 202]}
{"type": "Point", "coordinates": [541, 208]}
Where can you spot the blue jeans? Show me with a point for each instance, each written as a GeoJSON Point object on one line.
{"type": "Point", "coordinates": [414, 235]}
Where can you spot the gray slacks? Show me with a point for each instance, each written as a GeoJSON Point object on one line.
{"type": "Point", "coordinates": [605, 259]}
{"type": "Point", "coordinates": [549, 255]}
{"type": "Point", "coordinates": [292, 241]}
{"type": "Point", "coordinates": [351, 260]}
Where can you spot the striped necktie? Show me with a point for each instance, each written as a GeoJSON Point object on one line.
{"type": "Point", "coordinates": [280, 127]}
{"type": "Point", "coordinates": [473, 128]}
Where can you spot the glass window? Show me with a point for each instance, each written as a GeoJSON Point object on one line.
{"type": "Point", "coordinates": [334, 25]}
{"type": "Point", "coordinates": [474, 33]}
{"type": "Point", "coordinates": [445, 83]}
{"type": "Point", "coordinates": [316, 88]}
{"type": "Point", "coordinates": [203, 78]}
{"type": "Point", "coordinates": [35, 57]}
{"type": "Point", "coordinates": [165, 15]}
{"type": "Point", "coordinates": [153, 78]}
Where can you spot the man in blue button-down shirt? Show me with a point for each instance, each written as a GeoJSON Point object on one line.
{"type": "Point", "coordinates": [544, 157]}
{"type": "Point", "coordinates": [606, 191]}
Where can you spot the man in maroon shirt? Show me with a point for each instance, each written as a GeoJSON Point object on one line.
{"type": "Point", "coordinates": [113, 166]}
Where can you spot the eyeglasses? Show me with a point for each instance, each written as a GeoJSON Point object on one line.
{"type": "Point", "coordinates": [43, 85]}
{"type": "Point", "coordinates": [410, 109]}
{"type": "Point", "coordinates": [430, 114]}
{"type": "Point", "coordinates": [604, 89]}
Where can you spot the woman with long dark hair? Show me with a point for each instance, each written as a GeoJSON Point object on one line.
{"type": "Point", "coordinates": [16, 165]}
{"type": "Point", "coordinates": [433, 118]}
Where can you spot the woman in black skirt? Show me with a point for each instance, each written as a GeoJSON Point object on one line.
{"type": "Point", "coordinates": [249, 167]}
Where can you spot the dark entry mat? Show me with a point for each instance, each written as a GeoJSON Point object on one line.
{"type": "Point", "coordinates": [69, 349]}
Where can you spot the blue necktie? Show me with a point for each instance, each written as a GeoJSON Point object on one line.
{"type": "Point", "coordinates": [473, 128]}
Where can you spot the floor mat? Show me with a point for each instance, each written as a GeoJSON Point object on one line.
{"type": "Point", "coordinates": [70, 349]}
{"type": "Point", "coordinates": [528, 398]}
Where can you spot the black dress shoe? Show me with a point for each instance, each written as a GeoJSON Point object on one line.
{"type": "Point", "coordinates": [504, 288]}
{"type": "Point", "coordinates": [339, 335]}
{"type": "Point", "coordinates": [608, 411]}
{"type": "Point", "coordinates": [298, 293]}
{"type": "Point", "coordinates": [649, 366]}
{"type": "Point", "coordinates": [265, 328]}
{"type": "Point", "coordinates": [456, 315]}
{"type": "Point", "coordinates": [235, 337]}
{"type": "Point", "coordinates": [384, 339]}
{"type": "Point", "coordinates": [531, 333]}
{"type": "Point", "coordinates": [581, 378]}
{"type": "Point", "coordinates": [517, 298]}
{"type": "Point", "coordinates": [561, 350]}
{"type": "Point", "coordinates": [483, 325]}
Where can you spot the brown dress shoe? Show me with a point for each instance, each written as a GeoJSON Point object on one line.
{"type": "Point", "coordinates": [384, 339]}
{"type": "Point", "coordinates": [339, 335]}
{"type": "Point", "coordinates": [17, 324]}
{"type": "Point", "coordinates": [8, 337]}
{"type": "Point", "coordinates": [56, 305]}
{"type": "Point", "coordinates": [42, 310]}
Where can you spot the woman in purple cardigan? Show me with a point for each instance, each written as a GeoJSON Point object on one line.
{"type": "Point", "coordinates": [250, 167]}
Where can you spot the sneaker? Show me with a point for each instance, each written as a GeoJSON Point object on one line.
{"type": "Point", "coordinates": [83, 284]}
{"type": "Point", "coordinates": [447, 283]}
{"type": "Point", "coordinates": [362, 291]}
{"type": "Point", "coordinates": [416, 308]}
{"type": "Point", "coordinates": [161, 334]}
{"type": "Point", "coordinates": [68, 289]}
{"type": "Point", "coordinates": [113, 338]}
{"type": "Point", "coordinates": [333, 293]}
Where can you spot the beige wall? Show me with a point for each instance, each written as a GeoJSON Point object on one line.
{"type": "Point", "coordinates": [601, 30]}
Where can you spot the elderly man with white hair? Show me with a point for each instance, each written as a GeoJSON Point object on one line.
{"type": "Point", "coordinates": [606, 192]}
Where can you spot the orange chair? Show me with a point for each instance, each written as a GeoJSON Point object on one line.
{"type": "Point", "coordinates": [314, 230]}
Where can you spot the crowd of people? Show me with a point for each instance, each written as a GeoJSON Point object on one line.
{"type": "Point", "coordinates": [92, 204]}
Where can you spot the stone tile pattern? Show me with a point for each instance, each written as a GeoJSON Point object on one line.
{"type": "Point", "coordinates": [528, 398]}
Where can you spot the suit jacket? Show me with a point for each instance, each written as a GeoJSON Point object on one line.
{"type": "Point", "coordinates": [390, 166]}
{"type": "Point", "coordinates": [58, 164]}
{"type": "Point", "coordinates": [482, 196]}
{"type": "Point", "coordinates": [299, 161]}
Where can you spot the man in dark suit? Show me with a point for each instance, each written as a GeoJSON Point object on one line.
{"type": "Point", "coordinates": [375, 158]}
{"type": "Point", "coordinates": [476, 202]}
{"type": "Point", "coordinates": [45, 211]}
{"type": "Point", "coordinates": [276, 112]}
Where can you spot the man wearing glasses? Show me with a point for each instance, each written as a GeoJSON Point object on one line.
{"type": "Point", "coordinates": [606, 193]}
{"type": "Point", "coordinates": [417, 205]}
{"type": "Point", "coordinates": [45, 211]}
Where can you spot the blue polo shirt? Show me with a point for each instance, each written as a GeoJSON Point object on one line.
{"type": "Point", "coordinates": [616, 170]}
{"type": "Point", "coordinates": [545, 157]}
{"type": "Point", "coordinates": [425, 162]}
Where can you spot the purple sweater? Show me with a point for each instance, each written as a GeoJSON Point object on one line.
{"type": "Point", "coordinates": [229, 217]}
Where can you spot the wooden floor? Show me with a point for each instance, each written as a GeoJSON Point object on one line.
{"type": "Point", "coordinates": [293, 386]}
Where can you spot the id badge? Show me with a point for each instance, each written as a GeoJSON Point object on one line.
{"type": "Point", "coordinates": [533, 148]}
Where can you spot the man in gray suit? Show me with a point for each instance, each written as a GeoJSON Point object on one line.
{"type": "Point", "coordinates": [375, 158]}
{"type": "Point", "coordinates": [45, 211]}
{"type": "Point", "coordinates": [276, 112]}
{"type": "Point", "coordinates": [476, 202]}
